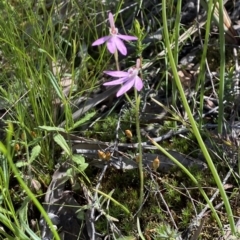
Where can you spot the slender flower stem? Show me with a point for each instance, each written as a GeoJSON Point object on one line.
{"type": "Point", "coordinates": [222, 68]}
{"type": "Point", "coordinates": [139, 151]}
{"type": "Point", "coordinates": [129, 100]}
{"type": "Point", "coordinates": [116, 60]}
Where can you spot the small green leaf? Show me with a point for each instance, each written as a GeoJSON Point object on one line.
{"type": "Point", "coordinates": [127, 238]}
{"type": "Point", "coordinates": [81, 215]}
{"type": "Point", "coordinates": [58, 138]}
{"type": "Point", "coordinates": [70, 172]}
{"type": "Point", "coordinates": [83, 167]}
{"type": "Point", "coordinates": [50, 129]}
{"type": "Point", "coordinates": [137, 27]}
{"type": "Point", "coordinates": [35, 152]}
{"type": "Point", "coordinates": [84, 119]}
{"type": "Point", "coordinates": [21, 164]}
{"type": "Point", "coordinates": [78, 159]}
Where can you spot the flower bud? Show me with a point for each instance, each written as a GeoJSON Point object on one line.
{"type": "Point", "coordinates": [156, 163]}
{"type": "Point", "coordinates": [33, 134]}
{"type": "Point", "coordinates": [128, 133]}
{"type": "Point", "coordinates": [16, 147]}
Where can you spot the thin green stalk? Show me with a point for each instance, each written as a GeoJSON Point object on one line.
{"type": "Point", "coordinates": [176, 31]}
{"type": "Point", "coordinates": [201, 76]}
{"type": "Point", "coordinates": [222, 67]}
{"type": "Point", "coordinates": [175, 52]}
{"type": "Point", "coordinates": [139, 229]}
{"type": "Point", "coordinates": [139, 151]}
{"type": "Point", "coordinates": [238, 150]}
{"type": "Point", "coordinates": [116, 60]}
{"type": "Point", "coordinates": [113, 200]}
{"type": "Point", "coordinates": [194, 125]}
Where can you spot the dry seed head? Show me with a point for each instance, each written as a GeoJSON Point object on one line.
{"type": "Point", "coordinates": [156, 163]}
{"type": "Point", "coordinates": [107, 156]}
{"type": "Point", "coordinates": [104, 156]}
{"type": "Point", "coordinates": [23, 136]}
{"type": "Point", "coordinates": [128, 133]}
{"type": "Point", "coordinates": [101, 155]}
{"type": "Point", "coordinates": [33, 134]}
{"type": "Point", "coordinates": [16, 147]}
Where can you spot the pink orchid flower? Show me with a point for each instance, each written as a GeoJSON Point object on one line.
{"type": "Point", "coordinates": [128, 79]}
{"type": "Point", "coordinates": [114, 41]}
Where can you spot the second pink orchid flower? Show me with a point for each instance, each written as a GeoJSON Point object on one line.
{"type": "Point", "coordinates": [128, 79]}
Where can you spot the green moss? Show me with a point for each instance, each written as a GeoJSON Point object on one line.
{"type": "Point", "coordinates": [186, 215]}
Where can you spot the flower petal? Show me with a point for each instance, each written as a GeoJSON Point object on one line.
{"type": "Point", "coordinates": [127, 37]}
{"type": "Point", "coordinates": [116, 82]}
{"type": "Point", "coordinates": [138, 83]}
{"type": "Point", "coordinates": [101, 40]}
{"type": "Point", "coordinates": [111, 45]}
{"type": "Point", "coordinates": [111, 20]}
{"type": "Point", "coordinates": [116, 73]}
{"type": "Point", "coordinates": [120, 45]}
{"type": "Point", "coordinates": [125, 87]}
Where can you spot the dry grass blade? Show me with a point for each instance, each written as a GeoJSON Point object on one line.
{"type": "Point", "coordinates": [231, 33]}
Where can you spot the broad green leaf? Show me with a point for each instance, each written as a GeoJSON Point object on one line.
{"type": "Point", "coordinates": [81, 215]}
{"type": "Point", "coordinates": [21, 164]}
{"type": "Point", "coordinates": [82, 167]}
{"type": "Point", "coordinates": [70, 172]}
{"type": "Point", "coordinates": [59, 139]}
{"type": "Point", "coordinates": [35, 152]}
{"type": "Point", "coordinates": [78, 159]}
{"type": "Point", "coordinates": [50, 129]}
